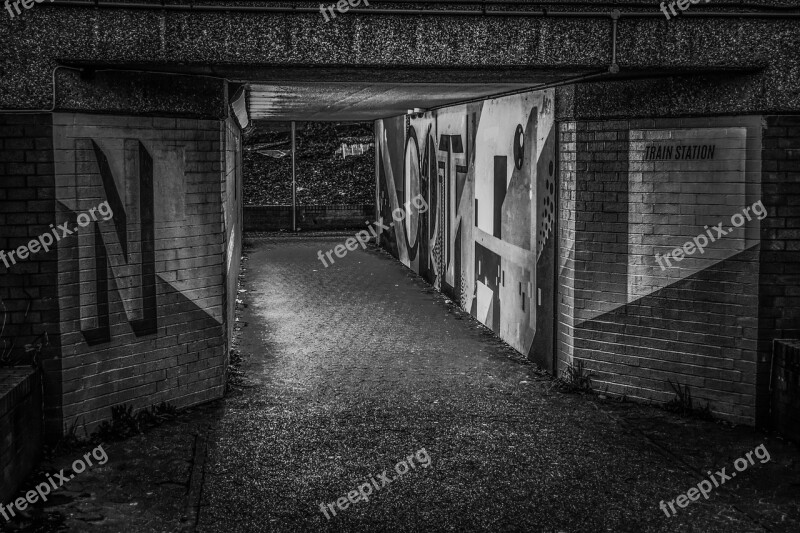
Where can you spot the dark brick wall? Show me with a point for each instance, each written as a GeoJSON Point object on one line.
{"type": "Point", "coordinates": [779, 281]}
{"type": "Point", "coordinates": [28, 289]}
{"type": "Point", "coordinates": [20, 426]}
{"type": "Point", "coordinates": [785, 381]}
{"type": "Point", "coordinates": [699, 329]}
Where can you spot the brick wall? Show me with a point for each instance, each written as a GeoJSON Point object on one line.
{"type": "Point", "coordinates": [779, 281]}
{"type": "Point", "coordinates": [634, 325]}
{"type": "Point", "coordinates": [20, 426]}
{"type": "Point", "coordinates": [565, 304]}
{"type": "Point", "coordinates": [28, 296]}
{"type": "Point", "coordinates": [232, 200]}
{"type": "Point", "coordinates": [141, 294]}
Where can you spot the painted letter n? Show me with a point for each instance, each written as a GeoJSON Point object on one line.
{"type": "Point", "coordinates": [135, 281]}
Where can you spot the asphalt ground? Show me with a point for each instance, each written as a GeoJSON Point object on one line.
{"type": "Point", "coordinates": [348, 370]}
{"type": "Point", "coordinates": [354, 367]}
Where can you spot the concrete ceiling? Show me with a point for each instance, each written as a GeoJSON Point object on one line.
{"type": "Point", "coordinates": [359, 101]}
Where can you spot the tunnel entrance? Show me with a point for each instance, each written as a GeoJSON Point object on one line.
{"type": "Point", "coordinates": [472, 137]}
{"type": "Point", "coordinates": [485, 171]}
{"type": "Point", "coordinates": [534, 164]}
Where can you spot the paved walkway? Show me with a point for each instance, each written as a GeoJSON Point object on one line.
{"type": "Point", "coordinates": [354, 367]}
{"type": "Point", "coordinates": [349, 370]}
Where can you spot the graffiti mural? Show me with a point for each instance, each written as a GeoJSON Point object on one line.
{"type": "Point", "coordinates": [487, 171]}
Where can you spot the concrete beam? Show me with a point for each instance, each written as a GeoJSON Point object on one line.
{"type": "Point", "coordinates": [233, 43]}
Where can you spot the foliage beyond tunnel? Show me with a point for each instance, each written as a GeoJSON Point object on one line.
{"type": "Point", "coordinates": [324, 177]}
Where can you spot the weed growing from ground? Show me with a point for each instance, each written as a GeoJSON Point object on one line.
{"type": "Point", "coordinates": [575, 378]}
{"type": "Point", "coordinates": [683, 404]}
{"type": "Point", "coordinates": [124, 423]}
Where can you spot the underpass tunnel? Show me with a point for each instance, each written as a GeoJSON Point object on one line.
{"type": "Point", "coordinates": [547, 150]}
